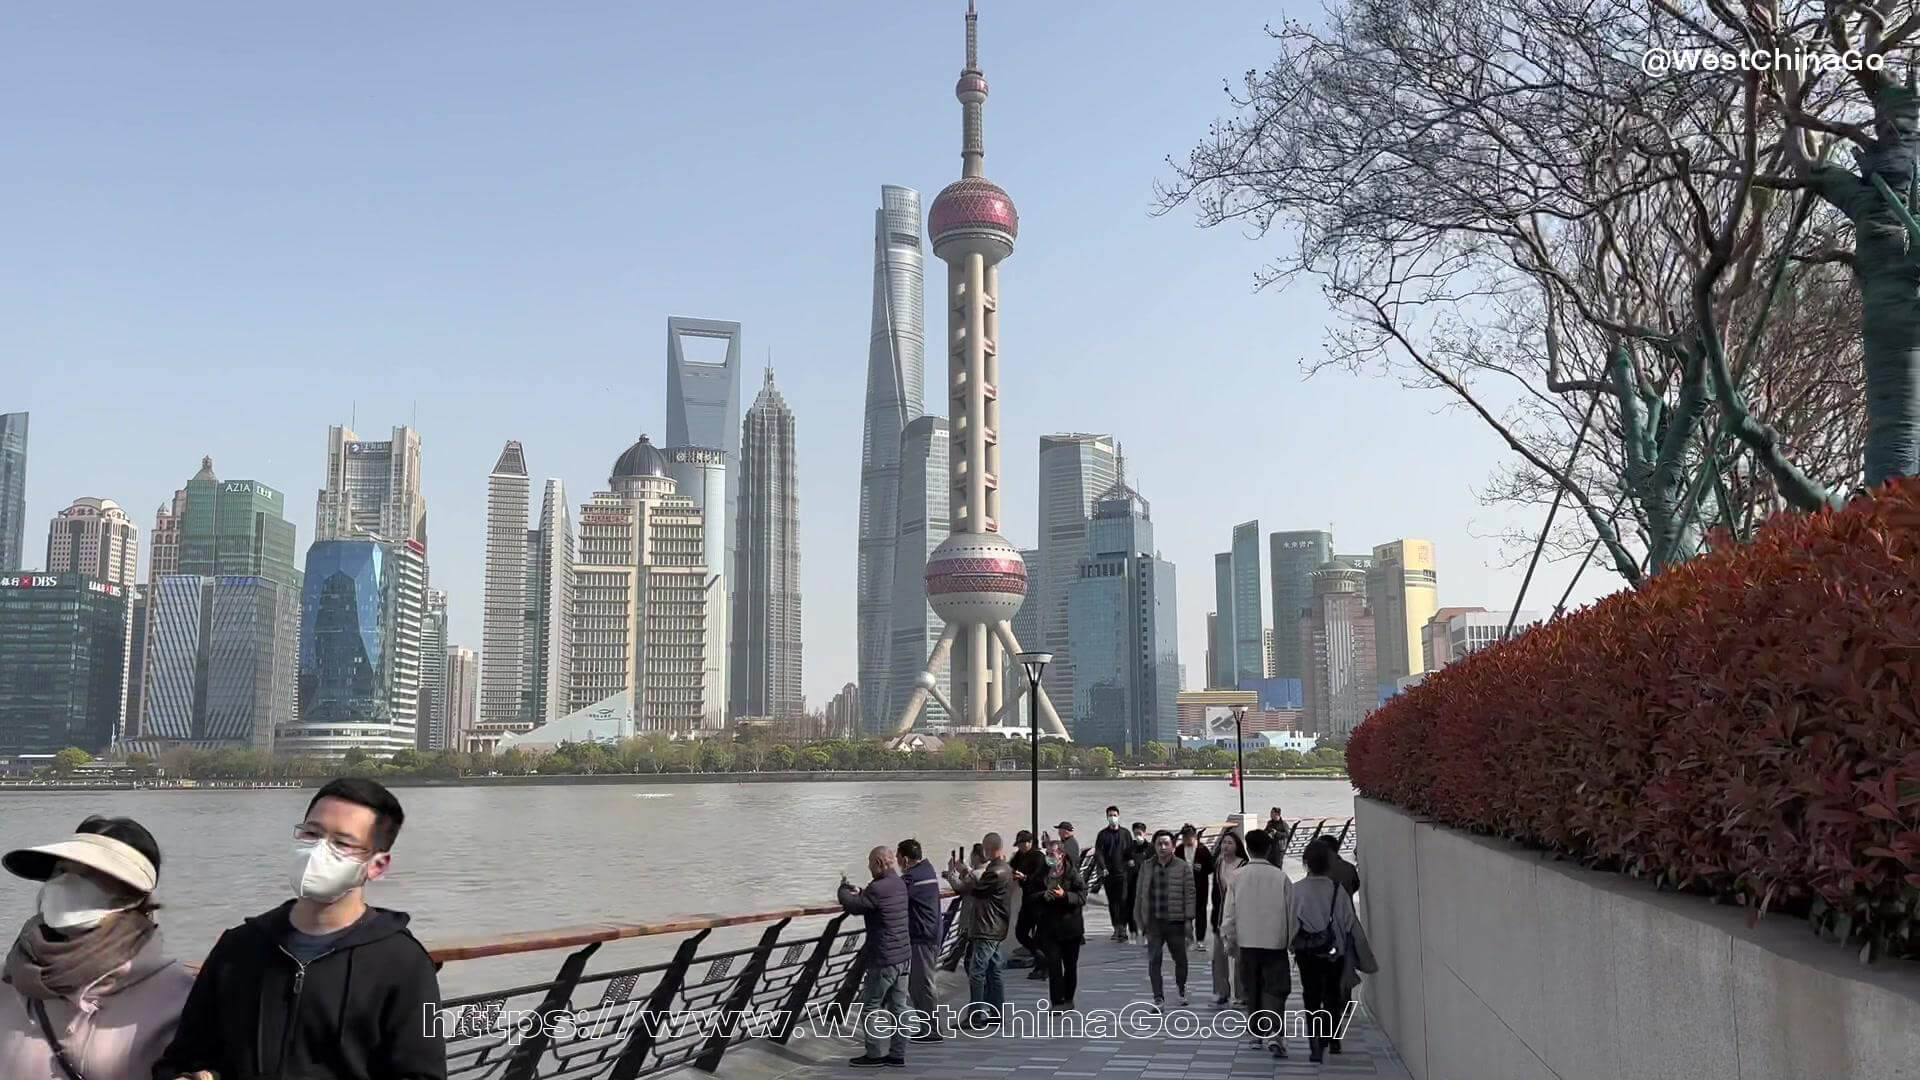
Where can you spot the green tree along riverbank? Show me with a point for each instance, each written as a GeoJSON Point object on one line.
{"type": "Point", "coordinates": [657, 755]}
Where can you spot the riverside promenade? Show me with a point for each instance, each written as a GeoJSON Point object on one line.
{"type": "Point", "coordinates": [1112, 977]}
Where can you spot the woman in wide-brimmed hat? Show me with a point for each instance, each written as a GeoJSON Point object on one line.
{"type": "Point", "coordinates": [90, 993]}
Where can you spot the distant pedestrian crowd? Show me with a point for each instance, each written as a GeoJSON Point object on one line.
{"type": "Point", "coordinates": [1164, 889]}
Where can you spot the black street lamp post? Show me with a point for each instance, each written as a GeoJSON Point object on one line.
{"type": "Point", "coordinates": [1035, 665]}
{"type": "Point", "coordinates": [1239, 758]}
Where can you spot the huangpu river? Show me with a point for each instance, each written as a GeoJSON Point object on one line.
{"type": "Point", "coordinates": [489, 860]}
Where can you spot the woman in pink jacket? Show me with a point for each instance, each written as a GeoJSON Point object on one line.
{"type": "Point", "coordinates": [90, 993]}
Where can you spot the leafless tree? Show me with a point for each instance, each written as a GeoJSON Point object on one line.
{"type": "Point", "coordinates": [1495, 191]}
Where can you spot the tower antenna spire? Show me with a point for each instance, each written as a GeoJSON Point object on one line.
{"type": "Point", "coordinates": [972, 92]}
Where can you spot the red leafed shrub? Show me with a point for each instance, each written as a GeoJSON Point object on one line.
{"type": "Point", "coordinates": [1746, 724]}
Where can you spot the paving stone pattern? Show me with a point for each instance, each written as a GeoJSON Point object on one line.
{"type": "Point", "coordinates": [1113, 976]}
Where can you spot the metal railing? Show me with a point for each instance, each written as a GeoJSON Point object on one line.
{"type": "Point", "coordinates": [629, 1022]}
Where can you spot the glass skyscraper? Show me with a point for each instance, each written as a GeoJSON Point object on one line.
{"type": "Point", "coordinates": [1225, 671]}
{"type": "Point", "coordinates": [62, 662]}
{"type": "Point", "coordinates": [1294, 556]}
{"type": "Point", "coordinates": [766, 623]}
{"type": "Point", "coordinates": [703, 404]}
{"type": "Point", "coordinates": [360, 636]}
{"type": "Point", "coordinates": [1123, 611]}
{"type": "Point", "coordinates": [923, 525]}
{"type": "Point", "coordinates": [1075, 470]}
{"type": "Point", "coordinates": [1249, 616]}
{"type": "Point", "coordinates": [13, 489]}
{"type": "Point", "coordinates": [896, 365]}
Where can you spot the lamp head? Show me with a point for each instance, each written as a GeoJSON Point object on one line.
{"type": "Point", "coordinates": [1035, 664]}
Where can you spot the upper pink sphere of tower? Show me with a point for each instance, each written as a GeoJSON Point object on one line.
{"type": "Point", "coordinates": [971, 83]}
{"type": "Point", "coordinates": [976, 211]}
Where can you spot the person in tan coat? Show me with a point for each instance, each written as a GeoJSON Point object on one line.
{"type": "Point", "coordinates": [89, 991]}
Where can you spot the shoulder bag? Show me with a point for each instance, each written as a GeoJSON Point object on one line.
{"type": "Point", "coordinates": [1322, 945]}
{"type": "Point", "coordinates": [39, 1010]}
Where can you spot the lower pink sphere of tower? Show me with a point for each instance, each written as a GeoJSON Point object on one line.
{"type": "Point", "coordinates": [976, 578]}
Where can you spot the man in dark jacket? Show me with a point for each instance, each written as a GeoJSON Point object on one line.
{"type": "Point", "coordinates": [923, 929]}
{"type": "Point", "coordinates": [1196, 855]}
{"type": "Point", "coordinates": [1029, 871]}
{"type": "Point", "coordinates": [888, 952]}
{"type": "Point", "coordinates": [1070, 843]}
{"type": "Point", "coordinates": [1277, 832]}
{"type": "Point", "coordinates": [322, 986]}
{"type": "Point", "coordinates": [1163, 907]}
{"type": "Point", "coordinates": [983, 922]}
{"type": "Point", "coordinates": [1113, 858]}
{"type": "Point", "coordinates": [1344, 873]}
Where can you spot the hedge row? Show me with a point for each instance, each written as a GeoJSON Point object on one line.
{"type": "Point", "coordinates": [1747, 724]}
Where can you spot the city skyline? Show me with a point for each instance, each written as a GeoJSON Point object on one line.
{"type": "Point", "coordinates": [357, 276]}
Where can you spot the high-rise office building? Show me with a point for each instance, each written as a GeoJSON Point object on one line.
{"type": "Point", "coordinates": [1249, 613]}
{"type": "Point", "coordinates": [1123, 611]}
{"type": "Point", "coordinates": [1213, 650]}
{"type": "Point", "coordinates": [896, 364]}
{"type": "Point", "coordinates": [96, 538]}
{"type": "Point", "coordinates": [431, 732]}
{"type": "Point", "coordinates": [1337, 638]}
{"type": "Point", "coordinates": [373, 489]}
{"type": "Point", "coordinates": [703, 402]}
{"type": "Point", "coordinates": [843, 713]}
{"type": "Point", "coordinates": [766, 622]}
{"type": "Point", "coordinates": [700, 474]}
{"type": "Point", "coordinates": [361, 623]}
{"type": "Point", "coordinates": [1404, 592]}
{"type": "Point", "coordinates": [923, 525]}
{"type": "Point", "coordinates": [220, 663]}
{"type": "Point", "coordinates": [463, 696]}
{"type": "Point", "coordinates": [1436, 640]}
{"type": "Point", "coordinates": [167, 522]}
{"type": "Point", "coordinates": [1294, 556]}
{"type": "Point", "coordinates": [13, 489]}
{"type": "Point", "coordinates": [1224, 670]}
{"type": "Point", "coordinates": [1075, 470]}
{"type": "Point", "coordinates": [63, 662]}
{"type": "Point", "coordinates": [640, 596]}
{"type": "Point", "coordinates": [549, 635]}
{"type": "Point", "coordinates": [137, 608]}
{"type": "Point", "coordinates": [504, 680]}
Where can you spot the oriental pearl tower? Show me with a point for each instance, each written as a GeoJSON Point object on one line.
{"type": "Point", "coordinates": [975, 579]}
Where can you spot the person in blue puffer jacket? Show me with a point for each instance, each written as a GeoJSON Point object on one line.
{"type": "Point", "coordinates": [923, 928]}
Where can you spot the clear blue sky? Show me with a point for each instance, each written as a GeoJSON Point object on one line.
{"type": "Point", "coordinates": [229, 225]}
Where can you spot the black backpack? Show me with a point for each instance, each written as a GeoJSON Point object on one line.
{"type": "Point", "coordinates": [1321, 945]}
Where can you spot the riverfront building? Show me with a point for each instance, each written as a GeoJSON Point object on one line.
{"type": "Point", "coordinates": [1337, 638]}
{"type": "Point", "coordinates": [896, 368]}
{"type": "Point", "coordinates": [431, 734]}
{"type": "Point", "coordinates": [1124, 616]}
{"type": "Point", "coordinates": [463, 696]}
{"type": "Point", "coordinates": [766, 622]}
{"type": "Point", "coordinates": [504, 684]}
{"type": "Point", "coordinates": [915, 627]}
{"type": "Point", "coordinates": [1293, 557]}
{"type": "Point", "coordinates": [1404, 592]}
{"type": "Point", "coordinates": [94, 537]}
{"type": "Point", "coordinates": [373, 489]}
{"type": "Point", "coordinates": [360, 634]}
{"type": "Point", "coordinates": [640, 599]}
{"type": "Point", "coordinates": [13, 489]}
{"type": "Point", "coordinates": [1075, 470]}
{"type": "Point", "coordinates": [700, 474]}
{"type": "Point", "coordinates": [703, 402]}
{"type": "Point", "coordinates": [220, 660]}
{"type": "Point", "coordinates": [63, 640]}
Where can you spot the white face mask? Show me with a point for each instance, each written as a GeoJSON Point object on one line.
{"type": "Point", "coordinates": [320, 874]}
{"type": "Point", "coordinates": [1113, 819]}
{"type": "Point", "coordinates": [71, 902]}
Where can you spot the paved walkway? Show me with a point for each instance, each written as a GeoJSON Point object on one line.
{"type": "Point", "coordinates": [1113, 976]}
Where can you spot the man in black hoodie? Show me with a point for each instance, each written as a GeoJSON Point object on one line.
{"type": "Point", "coordinates": [322, 986]}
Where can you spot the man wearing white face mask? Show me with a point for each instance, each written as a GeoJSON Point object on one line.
{"type": "Point", "coordinates": [323, 986]}
{"type": "Point", "coordinates": [90, 991]}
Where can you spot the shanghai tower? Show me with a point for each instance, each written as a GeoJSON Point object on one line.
{"type": "Point", "coordinates": [976, 581]}
{"type": "Point", "coordinates": [896, 362]}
